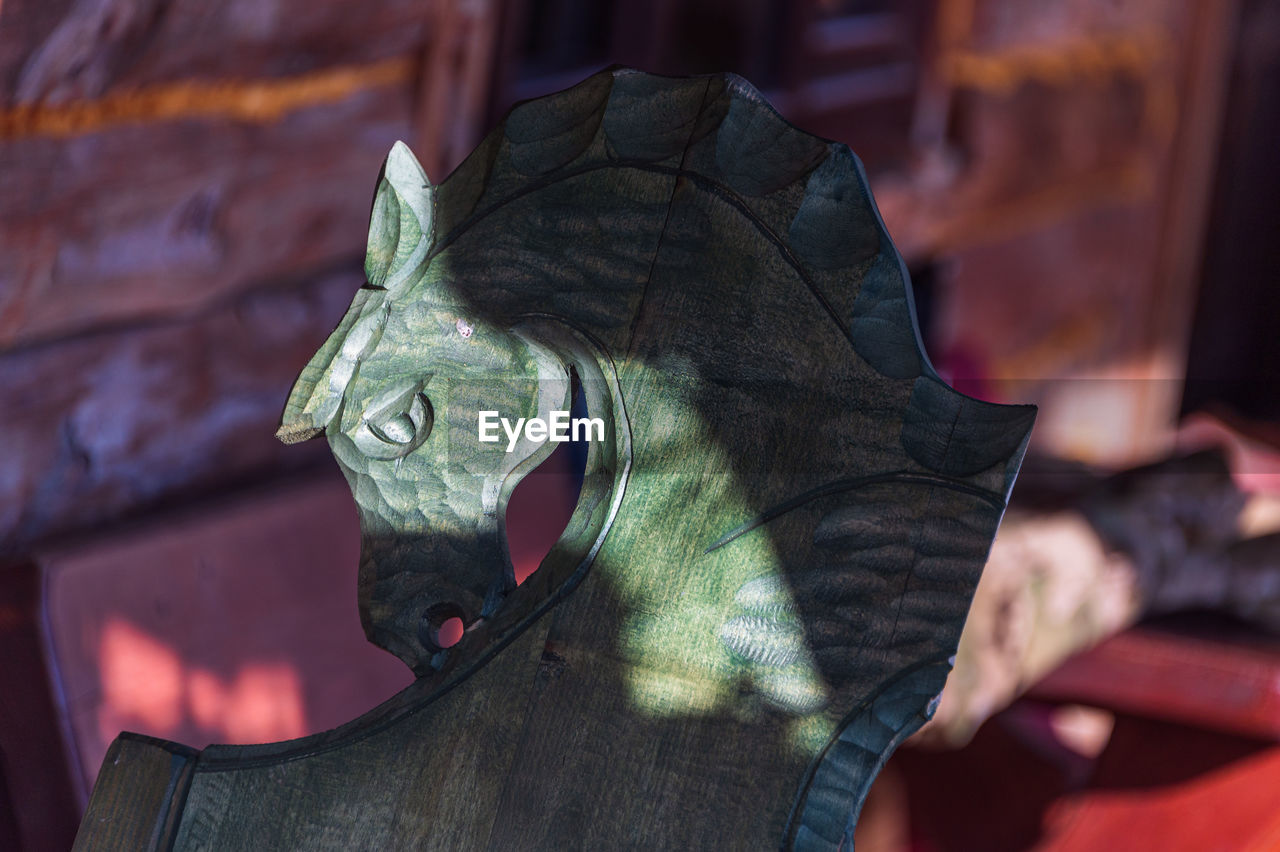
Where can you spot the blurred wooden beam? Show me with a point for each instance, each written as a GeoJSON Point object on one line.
{"type": "Point", "coordinates": [454, 82]}
{"type": "Point", "coordinates": [37, 804]}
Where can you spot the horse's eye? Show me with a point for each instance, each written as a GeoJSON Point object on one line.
{"type": "Point", "coordinates": [396, 423]}
{"type": "Point", "coordinates": [398, 429]}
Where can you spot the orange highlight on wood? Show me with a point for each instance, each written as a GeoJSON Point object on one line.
{"type": "Point", "coordinates": [256, 102]}
{"type": "Point", "coordinates": [1099, 60]}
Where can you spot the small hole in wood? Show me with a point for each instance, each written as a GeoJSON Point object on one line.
{"type": "Point", "coordinates": [448, 634]}
{"type": "Point", "coordinates": [442, 627]}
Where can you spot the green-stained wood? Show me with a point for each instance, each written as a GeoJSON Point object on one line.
{"type": "Point", "coordinates": [766, 576]}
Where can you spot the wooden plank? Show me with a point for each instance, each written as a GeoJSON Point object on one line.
{"type": "Point", "coordinates": [105, 425]}
{"type": "Point", "coordinates": [139, 796]}
{"type": "Point", "coordinates": [27, 24]}
{"type": "Point", "coordinates": [1000, 25]}
{"type": "Point", "coordinates": [1177, 273]}
{"type": "Point", "coordinates": [66, 51]}
{"type": "Point", "coordinates": [1220, 684]}
{"type": "Point", "coordinates": [741, 620]}
{"type": "Point", "coordinates": [139, 221]}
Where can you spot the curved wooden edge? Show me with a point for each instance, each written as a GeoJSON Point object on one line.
{"type": "Point", "coordinates": [138, 798]}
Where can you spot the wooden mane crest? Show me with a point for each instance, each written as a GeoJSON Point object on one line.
{"type": "Point", "coordinates": [767, 572]}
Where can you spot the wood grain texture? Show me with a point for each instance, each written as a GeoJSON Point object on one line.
{"type": "Point", "coordinates": [66, 50]}
{"type": "Point", "coordinates": [139, 797]}
{"type": "Point", "coordinates": [151, 220]}
{"type": "Point", "coordinates": [106, 425]}
{"type": "Point", "coordinates": [776, 544]}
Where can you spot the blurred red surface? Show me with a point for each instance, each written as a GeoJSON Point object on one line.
{"type": "Point", "coordinates": [238, 623]}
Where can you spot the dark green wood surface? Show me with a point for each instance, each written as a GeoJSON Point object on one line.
{"type": "Point", "coordinates": [770, 564]}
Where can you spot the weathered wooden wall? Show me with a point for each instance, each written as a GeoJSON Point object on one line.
{"type": "Point", "coordinates": [184, 190]}
{"type": "Point", "coordinates": [67, 50]}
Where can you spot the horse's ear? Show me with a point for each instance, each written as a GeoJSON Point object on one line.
{"type": "Point", "coordinates": [400, 225]}
{"type": "Point", "coordinates": [399, 239]}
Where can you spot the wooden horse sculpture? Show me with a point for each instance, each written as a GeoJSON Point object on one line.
{"type": "Point", "coordinates": [761, 588]}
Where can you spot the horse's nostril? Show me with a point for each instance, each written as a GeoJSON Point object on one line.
{"type": "Point", "coordinates": [449, 633]}
{"type": "Point", "coordinates": [442, 626]}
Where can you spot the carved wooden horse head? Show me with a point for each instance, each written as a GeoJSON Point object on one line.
{"type": "Point", "coordinates": [776, 543]}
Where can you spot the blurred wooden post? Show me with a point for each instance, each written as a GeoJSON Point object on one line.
{"type": "Point", "coordinates": [1186, 213]}
{"type": "Point", "coordinates": [37, 805]}
{"type": "Point", "coordinates": [454, 82]}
